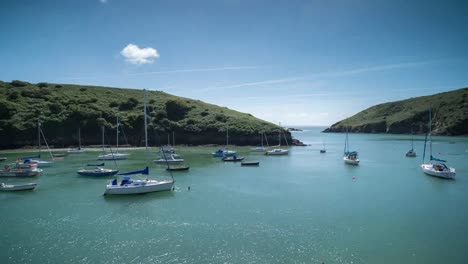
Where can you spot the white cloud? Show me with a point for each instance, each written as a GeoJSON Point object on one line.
{"type": "Point", "coordinates": [103, 1]}
{"type": "Point", "coordinates": [135, 55]}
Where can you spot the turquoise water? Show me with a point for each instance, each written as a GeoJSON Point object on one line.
{"type": "Point", "coordinates": [301, 208]}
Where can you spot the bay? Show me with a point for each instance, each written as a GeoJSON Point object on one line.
{"type": "Point", "coordinates": [307, 207]}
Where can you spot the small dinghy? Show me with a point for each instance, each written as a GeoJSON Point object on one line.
{"type": "Point", "coordinates": [3, 158]}
{"type": "Point", "coordinates": [20, 187]}
{"type": "Point", "coordinates": [178, 168]}
{"type": "Point", "coordinates": [98, 171]}
{"type": "Point", "coordinates": [233, 158]}
{"type": "Point", "coordinates": [250, 163]}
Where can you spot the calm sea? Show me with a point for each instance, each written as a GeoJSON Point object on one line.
{"type": "Point", "coordinates": [303, 208]}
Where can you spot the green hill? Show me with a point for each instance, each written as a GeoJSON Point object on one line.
{"type": "Point", "coordinates": [62, 108]}
{"type": "Point", "coordinates": [450, 116]}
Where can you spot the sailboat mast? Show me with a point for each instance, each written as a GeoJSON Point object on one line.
{"type": "Point", "coordinates": [227, 137]}
{"type": "Point", "coordinates": [102, 130]}
{"type": "Point", "coordinates": [39, 135]}
{"type": "Point", "coordinates": [146, 130]}
{"type": "Point", "coordinates": [79, 137]}
{"type": "Point", "coordinates": [117, 136]}
{"type": "Point", "coordinates": [430, 133]}
{"type": "Point", "coordinates": [173, 139]}
{"type": "Point", "coordinates": [261, 134]}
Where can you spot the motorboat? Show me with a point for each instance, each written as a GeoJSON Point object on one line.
{"type": "Point", "coordinates": [250, 163]}
{"type": "Point", "coordinates": [97, 172]}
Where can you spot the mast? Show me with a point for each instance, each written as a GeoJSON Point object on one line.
{"type": "Point", "coordinates": [168, 140]}
{"type": "Point", "coordinates": [117, 135]}
{"type": "Point", "coordinates": [146, 132]}
{"type": "Point", "coordinates": [430, 133]}
{"type": "Point", "coordinates": [39, 135]}
{"type": "Point", "coordinates": [227, 137]}
{"type": "Point", "coordinates": [173, 139]}
{"type": "Point", "coordinates": [102, 130]}
{"type": "Point", "coordinates": [79, 137]}
{"type": "Point", "coordinates": [261, 134]}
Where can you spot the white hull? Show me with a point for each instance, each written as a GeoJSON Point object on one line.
{"type": "Point", "coordinates": [141, 186]}
{"type": "Point", "coordinates": [430, 170]}
{"type": "Point", "coordinates": [351, 161]}
{"type": "Point", "coordinates": [171, 161]}
{"type": "Point", "coordinates": [75, 151]}
{"type": "Point", "coordinates": [20, 172]}
{"type": "Point", "coordinates": [258, 149]}
{"type": "Point", "coordinates": [23, 187]}
{"type": "Point", "coordinates": [115, 156]}
{"type": "Point", "coordinates": [276, 152]}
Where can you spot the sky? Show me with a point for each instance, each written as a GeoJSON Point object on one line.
{"type": "Point", "coordinates": [294, 62]}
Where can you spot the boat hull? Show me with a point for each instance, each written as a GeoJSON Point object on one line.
{"type": "Point", "coordinates": [351, 161]}
{"type": "Point", "coordinates": [250, 163]}
{"type": "Point", "coordinates": [93, 173]}
{"type": "Point", "coordinates": [20, 173]}
{"type": "Point", "coordinates": [75, 151]}
{"type": "Point", "coordinates": [446, 174]}
{"type": "Point", "coordinates": [145, 187]}
{"type": "Point", "coordinates": [259, 149]}
{"type": "Point", "coordinates": [23, 187]}
{"type": "Point", "coordinates": [178, 168]}
{"type": "Point", "coordinates": [232, 159]}
{"type": "Point", "coordinates": [277, 152]}
{"type": "Point", "coordinates": [117, 156]}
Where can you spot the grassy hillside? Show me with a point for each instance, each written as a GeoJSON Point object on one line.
{"type": "Point", "coordinates": [450, 116]}
{"type": "Point", "coordinates": [62, 108]}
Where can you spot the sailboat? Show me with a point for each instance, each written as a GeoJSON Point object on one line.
{"type": "Point", "coordinates": [279, 150]}
{"type": "Point", "coordinates": [131, 186]}
{"type": "Point", "coordinates": [438, 167]}
{"type": "Point", "coordinates": [116, 155]}
{"type": "Point", "coordinates": [350, 157]}
{"type": "Point", "coordinates": [224, 152]}
{"type": "Point", "coordinates": [323, 150]}
{"type": "Point", "coordinates": [36, 159]}
{"type": "Point", "coordinates": [97, 171]}
{"type": "Point", "coordinates": [79, 149]}
{"type": "Point", "coordinates": [411, 152]}
{"type": "Point", "coordinates": [260, 148]}
{"type": "Point", "coordinates": [168, 149]}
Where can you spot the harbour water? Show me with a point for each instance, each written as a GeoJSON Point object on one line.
{"type": "Point", "coordinates": [306, 207]}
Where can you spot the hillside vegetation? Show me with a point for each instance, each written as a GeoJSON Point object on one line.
{"type": "Point", "coordinates": [449, 110]}
{"type": "Point", "coordinates": [63, 108]}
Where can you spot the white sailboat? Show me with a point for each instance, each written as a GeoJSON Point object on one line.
{"type": "Point", "coordinates": [279, 150]}
{"type": "Point", "coordinates": [116, 155]}
{"type": "Point", "coordinates": [436, 167]}
{"type": "Point", "coordinates": [36, 159]}
{"type": "Point", "coordinates": [78, 150]}
{"type": "Point", "coordinates": [350, 157]}
{"type": "Point", "coordinates": [411, 153]}
{"type": "Point", "coordinates": [131, 186]}
{"type": "Point", "coordinates": [260, 148]}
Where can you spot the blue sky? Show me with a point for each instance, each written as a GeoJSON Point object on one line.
{"type": "Point", "coordinates": [294, 62]}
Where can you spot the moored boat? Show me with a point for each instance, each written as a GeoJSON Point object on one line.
{"type": "Point", "coordinates": [250, 163]}
{"type": "Point", "coordinates": [17, 187]}
{"type": "Point", "coordinates": [233, 158]}
{"type": "Point", "coordinates": [132, 186]}
{"type": "Point", "coordinates": [97, 172]}
{"type": "Point", "coordinates": [275, 152]}
{"type": "Point", "coordinates": [20, 172]}
{"type": "Point", "coordinates": [436, 167]}
{"type": "Point", "coordinates": [177, 168]}
{"type": "Point", "coordinates": [172, 158]}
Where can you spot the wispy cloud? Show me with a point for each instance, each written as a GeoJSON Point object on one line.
{"type": "Point", "coordinates": [103, 1]}
{"type": "Point", "coordinates": [233, 68]}
{"type": "Point", "coordinates": [330, 74]}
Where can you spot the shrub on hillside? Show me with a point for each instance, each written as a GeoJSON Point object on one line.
{"type": "Point", "coordinates": [176, 109]}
